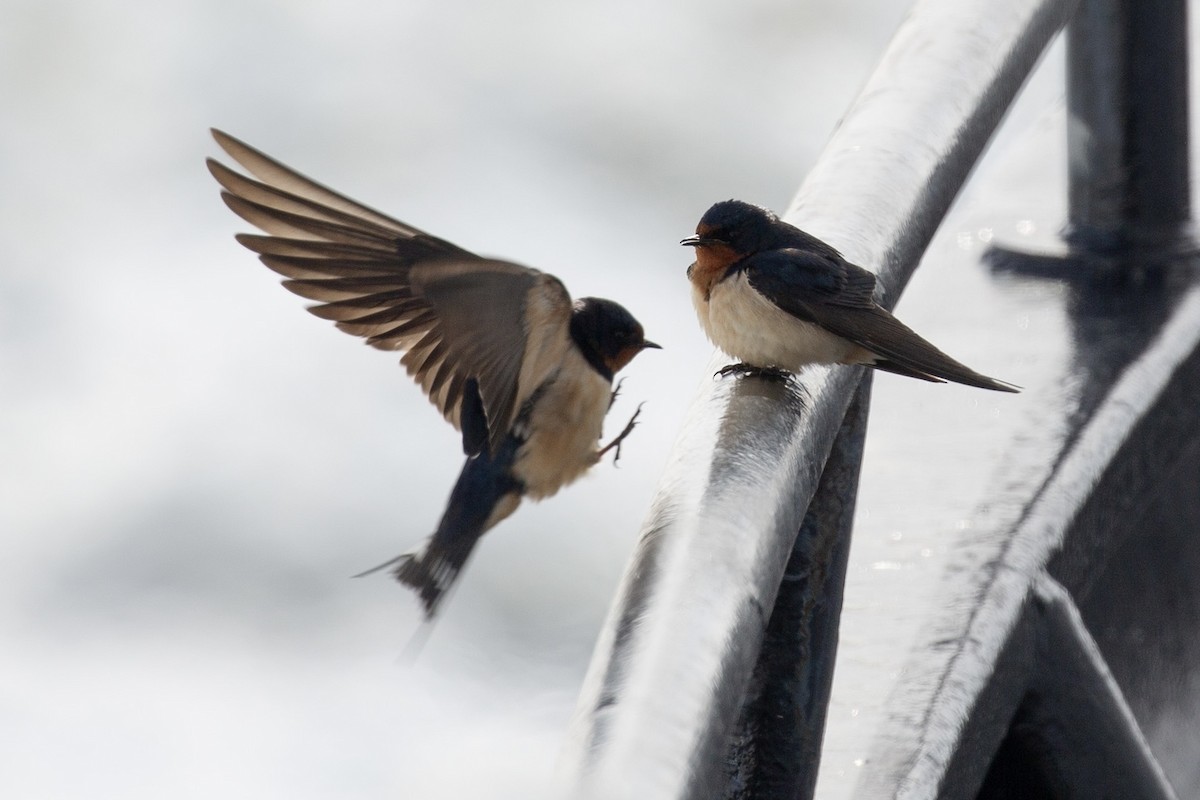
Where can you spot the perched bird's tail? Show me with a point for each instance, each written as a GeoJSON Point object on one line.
{"type": "Point", "coordinates": [899, 349]}
{"type": "Point", "coordinates": [486, 492]}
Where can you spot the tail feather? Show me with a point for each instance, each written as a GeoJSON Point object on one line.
{"type": "Point", "coordinates": [906, 353]}
{"type": "Point", "coordinates": [898, 348]}
{"type": "Point", "coordinates": [943, 370]}
{"type": "Point", "coordinates": [432, 569]}
{"type": "Point", "coordinates": [900, 369]}
{"type": "Point", "coordinates": [486, 492]}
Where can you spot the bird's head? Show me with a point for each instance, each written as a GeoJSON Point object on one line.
{"type": "Point", "coordinates": [607, 334]}
{"type": "Point", "coordinates": [741, 227]}
{"type": "Point", "coordinates": [727, 233]}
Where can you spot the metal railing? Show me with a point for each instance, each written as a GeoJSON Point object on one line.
{"type": "Point", "coordinates": [728, 611]}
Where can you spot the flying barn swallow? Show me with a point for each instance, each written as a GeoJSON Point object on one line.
{"type": "Point", "coordinates": [500, 349]}
{"type": "Point", "coordinates": [778, 299]}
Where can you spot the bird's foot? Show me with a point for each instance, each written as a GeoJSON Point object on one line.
{"type": "Point", "coordinates": [616, 443]}
{"type": "Point", "coordinates": [616, 392]}
{"type": "Point", "coordinates": [745, 370]}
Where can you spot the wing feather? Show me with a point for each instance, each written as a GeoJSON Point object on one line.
{"type": "Point", "coordinates": [827, 290]}
{"type": "Point", "coordinates": [307, 267]}
{"type": "Point", "coordinates": [286, 179]}
{"type": "Point", "coordinates": [457, 317]}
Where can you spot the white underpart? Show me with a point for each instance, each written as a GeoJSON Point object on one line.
{"type": "Point", "coordinates": [563, 440]}
{"type": "Point", "coordinates": [751, 328]}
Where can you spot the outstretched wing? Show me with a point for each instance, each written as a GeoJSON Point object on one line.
{"type": "Point", "coordinates": [839, 296]}
{"type": "Point", "coordinates": [479, 335]}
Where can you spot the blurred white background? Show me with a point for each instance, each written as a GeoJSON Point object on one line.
{"type": "Point", "coordinates": [191, 466]}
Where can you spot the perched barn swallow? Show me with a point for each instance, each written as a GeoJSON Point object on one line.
{"type": "Point", "coordinates": [778, 299]}
{"type": "Point", "coordinates": [501, 351]}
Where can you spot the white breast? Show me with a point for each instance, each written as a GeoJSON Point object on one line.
{"type": "Point", "coordinates": [565, 428]}
{"type": "Point", "coordinates": [751, 328]}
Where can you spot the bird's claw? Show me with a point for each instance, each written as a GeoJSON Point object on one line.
{"type": "Point", "coordinates": [616, 443]}
{"type": "Point", "coordinates": [746, 370]}
{"type": "Point", "coordinates": [615, 394]}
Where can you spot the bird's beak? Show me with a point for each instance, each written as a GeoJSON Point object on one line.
{"type": "Point", "coordinates": [696, 241]}
{"type": "Point", "coordinates": [649, 345]}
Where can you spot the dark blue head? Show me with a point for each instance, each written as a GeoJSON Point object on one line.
{"type": "Point", "coordinates": [745, 228]}
{"type": "Point", "coordinates": [607, 335]}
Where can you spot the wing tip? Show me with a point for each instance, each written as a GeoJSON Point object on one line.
{"type": "Point", "coordinates": [221, 173]}
{"type": "Point", "coordinates": [229, 143]}
{"type": "Point", "coordinates": [1005, 386]}
{"type": "Point", "coordinates": [980, 381]}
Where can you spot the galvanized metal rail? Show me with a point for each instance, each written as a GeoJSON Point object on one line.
{"type": "Point", "coordinates": [712, 673]}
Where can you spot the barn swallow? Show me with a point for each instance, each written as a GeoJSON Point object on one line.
{"type": "Point", "coordinates": [524, 373]}
{"type": "Point", "coordinates": [779, 299]}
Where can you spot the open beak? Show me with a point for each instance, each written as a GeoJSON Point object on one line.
{"type": "Point", "coordinates": [696, 241]}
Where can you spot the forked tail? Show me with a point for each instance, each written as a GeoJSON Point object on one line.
{"type": "Point", "coordinates": [486, 492]}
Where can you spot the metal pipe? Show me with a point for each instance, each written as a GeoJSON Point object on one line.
{"type": "Point", "coordinates": [669, 675]}
{"type": "Point", "coordinates": [777, 745]}
{"type": "Point", "coordinates": [1127, 99]}
{"type": "Point", "coordinates": [1075, 714]}
{"type": "Point", "coordinates": [670, 670]}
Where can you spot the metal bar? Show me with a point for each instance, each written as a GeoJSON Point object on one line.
{"type": "Point", "coordinates": [1078, 716]}
{"type": "Point", "coordinates": [1127, 96]}
{"type": "Point", "coordinates": [680, 643]}
{"type": "Point", "coordinates": [1097, 463]}
{"type": "Point", "coordinates": [673, 661]}
{"type": "Point", "coordinates": [777, 745]}
{"type": "Point", "coordinates": [1050, 721]}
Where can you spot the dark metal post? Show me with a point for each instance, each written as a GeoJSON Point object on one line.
{"type": "Point", "coordinates": [777, 745]}
{"type": "Point", "coordinates": [1127, 96]}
